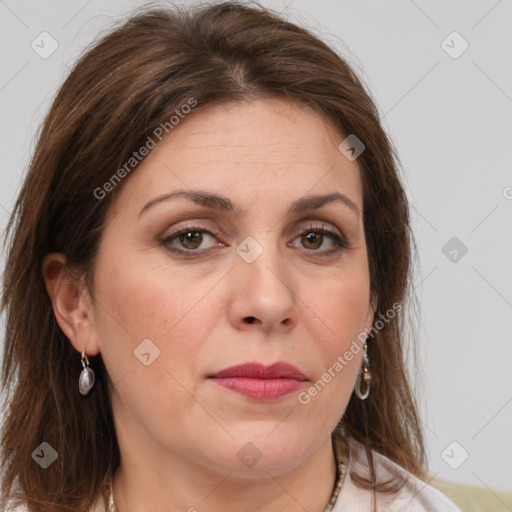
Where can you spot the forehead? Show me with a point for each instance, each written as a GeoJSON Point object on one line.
{"type": "Point", "coordinates": [263, 149]}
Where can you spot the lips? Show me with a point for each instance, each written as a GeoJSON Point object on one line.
{"type": "Point", "coordinates": [278, 370]}
{"type": "Point", "coordinates": [260, 382]}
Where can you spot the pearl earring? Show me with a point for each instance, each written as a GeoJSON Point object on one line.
{"type": "Point", "coordinates": [86, 379]}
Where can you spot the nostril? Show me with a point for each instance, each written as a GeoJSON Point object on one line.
{"type": "Point", "coordinates": [250, 319]}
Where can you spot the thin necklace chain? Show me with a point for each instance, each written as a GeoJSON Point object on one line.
{"type": "Point", "coordinates": [341, 457]}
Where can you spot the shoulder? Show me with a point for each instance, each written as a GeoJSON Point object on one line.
{"type": "Point", "coordinates": [415, 495]}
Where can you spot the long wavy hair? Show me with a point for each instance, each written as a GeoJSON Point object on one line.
{"type": "Point", "coordinates": [121, 89]}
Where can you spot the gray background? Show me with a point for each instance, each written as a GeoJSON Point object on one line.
{"type": "Point", "coordinates": [450, 119]}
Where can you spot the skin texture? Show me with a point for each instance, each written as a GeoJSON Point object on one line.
{"type": "Point", "coordinates": [179, 433]}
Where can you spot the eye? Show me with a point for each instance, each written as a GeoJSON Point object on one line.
{"type": "Point", "coordinates": [316, 236]}
{"type": "Point", "coordinates": [190, 238]}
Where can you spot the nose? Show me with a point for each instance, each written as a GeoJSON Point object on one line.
{"type": "Point", "coordinates": [263, 294]}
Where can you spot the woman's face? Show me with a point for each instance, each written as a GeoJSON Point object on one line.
{"type": "Point", "coordinates": [254, 281]}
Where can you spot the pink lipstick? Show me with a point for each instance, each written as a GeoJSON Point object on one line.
{"type": "Point", "coordinates": [259, 382]}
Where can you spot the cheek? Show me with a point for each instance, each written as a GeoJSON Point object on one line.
{"type": "Point", "coordinates": [341, 302]}
{"type": "Point", "coordinates": [158, 304]}
{"type": "Point", "coordinates": [139, 306]}
{"type": "Point", "coordinates": [343, 308]}
{"type": "Point", "coordinates": [146, 298]}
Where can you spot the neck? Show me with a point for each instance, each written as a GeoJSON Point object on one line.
{"type": "Point", "coordinates": [142, 486]}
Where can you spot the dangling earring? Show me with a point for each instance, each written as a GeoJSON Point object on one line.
{"type": "Point", "coordinates": [86, 379]}
{"type": "Point", "coordinates": [365, 374]}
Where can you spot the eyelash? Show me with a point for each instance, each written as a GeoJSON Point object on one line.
{"type": "Point", "coordinates": [340, 241]}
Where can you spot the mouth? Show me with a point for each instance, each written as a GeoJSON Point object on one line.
{"type": "Point", "coordinates": [259, 382]}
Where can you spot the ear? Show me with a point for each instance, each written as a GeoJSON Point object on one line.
{"type": "Point", "coordinates": [71, 304]}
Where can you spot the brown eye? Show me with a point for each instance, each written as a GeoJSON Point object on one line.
{"type": "Point", "coordinates": [191, 239]}
{"type": "Point", "coordinates": [320, 241]}
{"type": "Point", "coordinates": [312, 240]}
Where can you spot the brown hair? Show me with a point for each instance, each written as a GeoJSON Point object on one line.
{"type": "Point", "coordinates": [125, 86]}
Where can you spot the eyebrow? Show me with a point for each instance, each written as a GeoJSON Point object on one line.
{"type": "Point", "coordinates": [218, 202]}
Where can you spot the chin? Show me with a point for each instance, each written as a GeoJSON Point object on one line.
{"type": "Point", "coordinates": [255, 452]}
